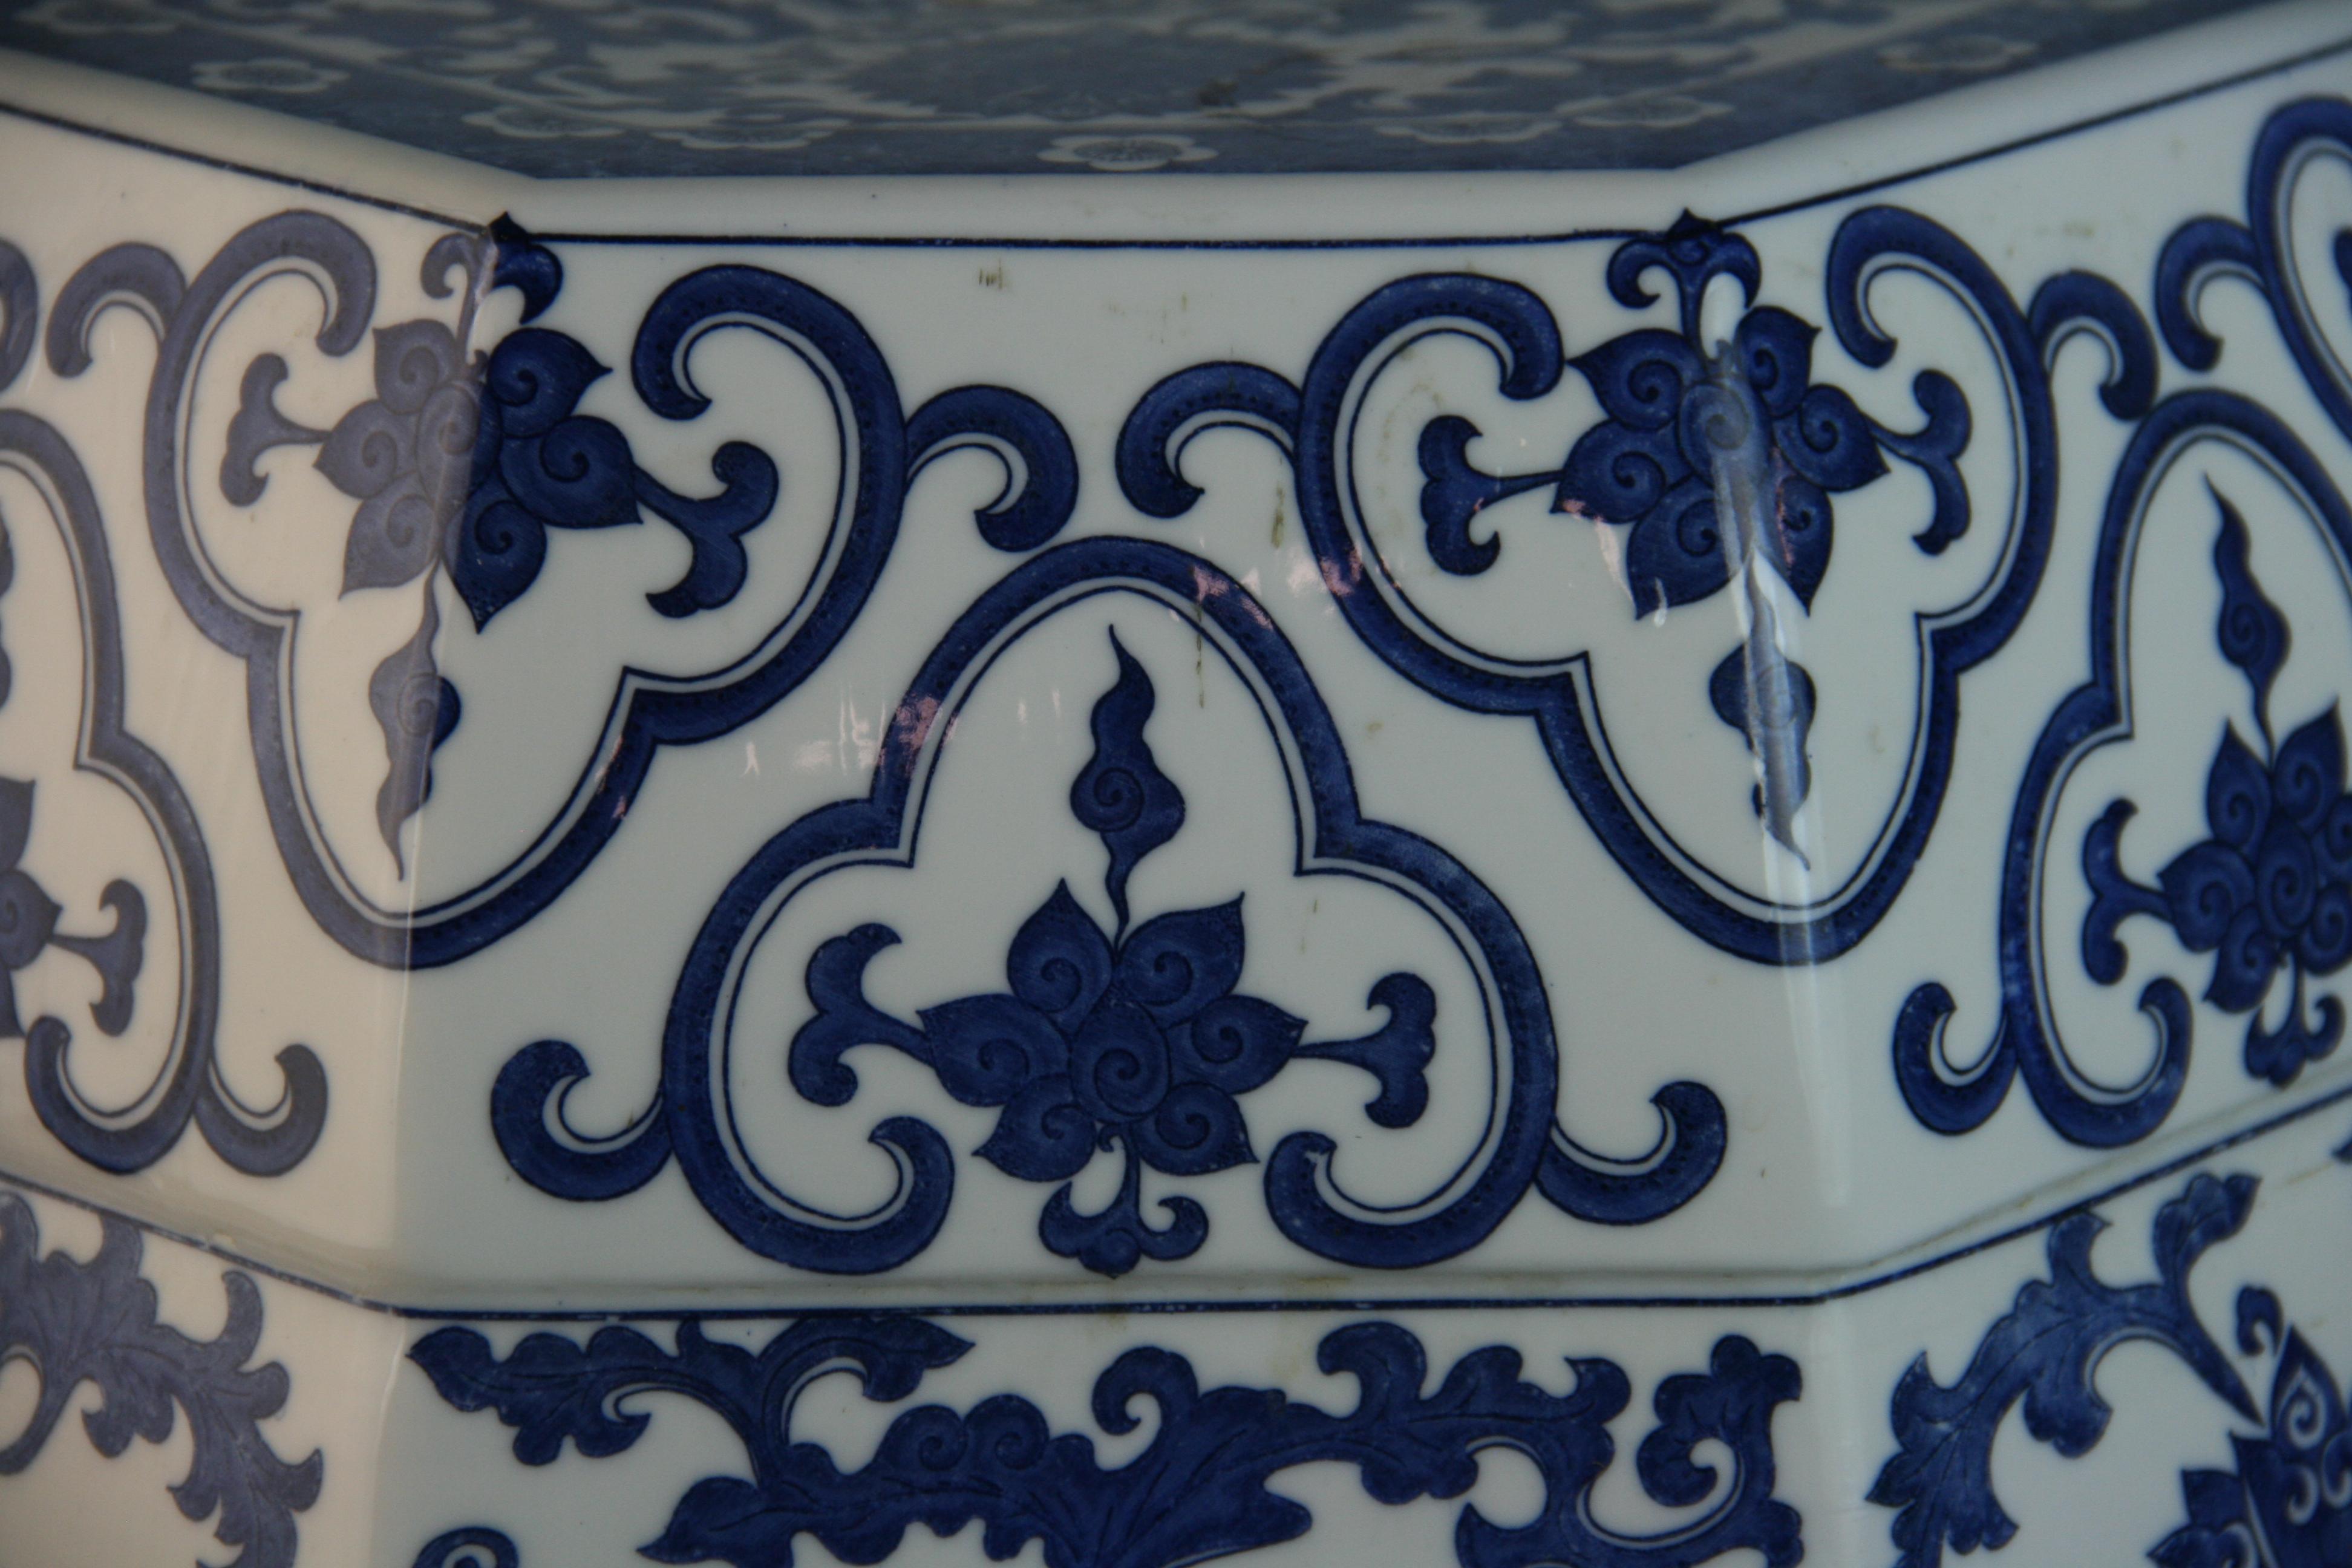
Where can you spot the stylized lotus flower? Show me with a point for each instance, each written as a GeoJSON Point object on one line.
{"type": "Point", "coordinates": [1134, 1041]}
{"type": "Point", "coordinates": [1144, 1042]}
{"type": "Point", "coordinates": [1676, 417]}
{"type": "Point", "coordinates": [2273, 885]}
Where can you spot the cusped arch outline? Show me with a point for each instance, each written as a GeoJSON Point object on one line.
{"type": "Point", "coordinates": [1955, 1097]}
{"type": "Point", "coordinates": [882, 448]}
{"type": "Point", "coordinates": [1313, 422]}
{"type": "Point", "coordinates": [189, 1085]}
{"type": "Point", "coordinates": [691, 1118]}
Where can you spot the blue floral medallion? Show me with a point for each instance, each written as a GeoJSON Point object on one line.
{"type": "Point", "coordinates": [460, 467]}
{"type": "Point", "coordinates": [1135, 1037]}
{"type": "Point", "coordinates": [2271, 891]}
{"type": "Point", "coordinates": [1132, 1039]}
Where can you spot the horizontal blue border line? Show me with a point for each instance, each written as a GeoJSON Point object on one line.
{"type": "Point", "coordinates": [1853, 1288]}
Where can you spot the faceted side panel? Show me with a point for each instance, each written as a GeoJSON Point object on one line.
{"type": "Point", "coordinates": [792, 764]}
{"type": "Point", "coordinates": [2171, 1346]}
{"type": "Point", "coordinates": [193, 1044]}
{"type": "Point", "coordinates": [166, 1404]}
{"type": "Point", "coordinates": [1623, 742]}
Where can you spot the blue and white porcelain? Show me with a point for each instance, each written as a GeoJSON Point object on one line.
{"type": "Point", "coordinates": [1514, 784]}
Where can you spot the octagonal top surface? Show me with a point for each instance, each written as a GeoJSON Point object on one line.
{"type": "Point", "coordinates": [569, 88]}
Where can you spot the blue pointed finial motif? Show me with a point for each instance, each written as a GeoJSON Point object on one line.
{"type": "Point", "coordinates": [1136, 1042]}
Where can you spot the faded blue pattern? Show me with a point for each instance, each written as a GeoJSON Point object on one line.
{"type": "Point", "coordinates": [551, 87]}
{"type": "Point", "coordinates": [96, 1323]}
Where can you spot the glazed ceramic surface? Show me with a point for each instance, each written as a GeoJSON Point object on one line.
{"type": "Point", "coordinates": [1520, 785]}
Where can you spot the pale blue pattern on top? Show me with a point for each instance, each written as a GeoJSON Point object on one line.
{"type": "Point", "coordinates": [825, 87]}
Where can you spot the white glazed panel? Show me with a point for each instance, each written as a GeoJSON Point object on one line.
{"type": "Point", "coordinates": [409, 1195]}
{"type": "Point", "coordinates": [2169, 1345]}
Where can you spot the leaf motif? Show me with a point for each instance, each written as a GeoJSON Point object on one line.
{"type": "Point", "coordinates": [1236, 1043]}
{"type": "Point", "coordinates": [414, 360]}
{"type": "Point", "coordinates": [1197, 1129]}
{"type": "Point", "coordinates": [2307, 774]}
{"type": "Point", "coordinates": [416, 710]}
{"type": "Point", "coordinates": [1677, 554]}
{"type": "Point", "coordinates": [1043, 1134]}
{"type": "Point", "coordinates": [1119, 1063]}
{"type": "Point", "coordinates": [535, 378]}
{"type": "Point", "coordinates": [2245, 962]}
{"type": "Point", "coordinates": [1774, 353]}
{"type": "Point", "coordinates": [2045, 1352]}
{"type": "Point", "coordinates": [985, 1048]}
{"type": "Point", "coordinates": [1120, 795]}
{"type": "Point", "coordinates": [367, 452]}
{"type": "Point", "coordinates": [1641, 377]}
{"type": "Point", "coordinates": [1826, 438]}
{"type": "Point", "coordinates": [495, 554]}
{"type": "Point", "coordinates": [1616, 473]}
{"type": "Point", "coordinates": [1059, 961]}
{"type": "Point", "coordinates": [579, 474]}
{"type": "Point", "coordinates": [1177, 963]}
{"type": "Point", "coordinates": [2252, 634]}
{"type": "Point", "coordinates": [2237, 793]}
{"type": "Point", "coordinates": [2204, 888]}
{"type": "Point", "coordinates": [1796, 536]}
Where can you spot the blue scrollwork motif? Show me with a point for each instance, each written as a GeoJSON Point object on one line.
{"type": "Point", "coordinates": [2289, 1502]}
{"type": "Point", "coordinates": [2263, 893]}
{"type": "Point", "coordinates": [2292, 1492]}
{"type": "Point", "coordinates": [1134, 1039]}
{"type": "Point", "coordinates": [2045, 1352]}
{"type": "Point", "coordinates": [1717, 457]}
{"type": "Point", "coordinates": [189, 1085]}
{"type": "Point", "coordinates": [95, 1322]}
{"type": "Point", "coordinates": [459, 468]}
{"type": "Point", "coordinates": [1197, 1492]}
{"type": "Point", "coordinates": [1134, 1035]}
{"type": "Point", "coordinates": [2271, 890]}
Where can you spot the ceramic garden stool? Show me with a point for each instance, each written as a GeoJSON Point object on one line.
{"type": "Point", "coordinates": [1482, 783]}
